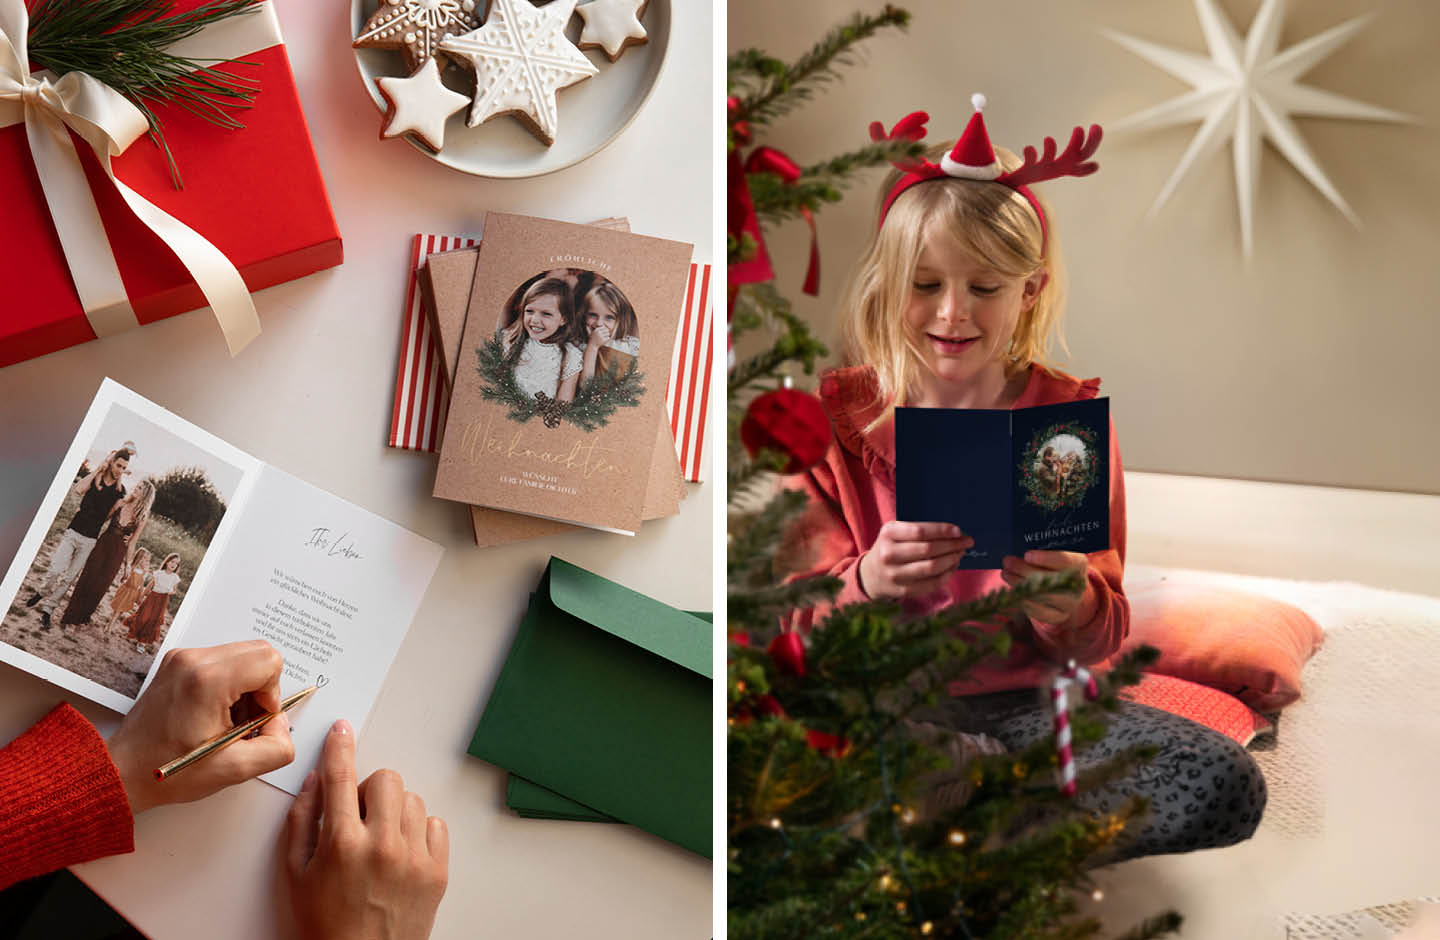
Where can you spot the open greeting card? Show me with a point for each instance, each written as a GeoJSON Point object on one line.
{"type": "Point", "coordinates": [156, 534]}
{"type": "Point", "coordinates": [1013, 480]}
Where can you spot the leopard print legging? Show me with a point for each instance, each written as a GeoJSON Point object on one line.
{"type": "Point", "coordinates": [1205, 790]}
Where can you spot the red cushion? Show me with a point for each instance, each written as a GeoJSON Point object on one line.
{"type": "Point", "coordinates": [1250, 646]}
{"type": "Point", "coordinates": [1201, 704]}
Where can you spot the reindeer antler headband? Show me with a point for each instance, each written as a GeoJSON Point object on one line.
{"type": "Point", "coordinates": [972, 158]}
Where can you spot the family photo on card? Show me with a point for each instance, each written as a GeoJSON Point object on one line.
{"type": "Point", "coordinates": [136, 519]}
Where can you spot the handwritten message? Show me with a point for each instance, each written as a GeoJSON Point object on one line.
{"type": "Point", "coordinates": [301, 624]}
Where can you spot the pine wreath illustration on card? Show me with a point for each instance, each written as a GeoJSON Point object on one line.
{"type": "Point", "coordinates": [590, 409]}
{"type": "Point", "coordinates": [1059, 466]}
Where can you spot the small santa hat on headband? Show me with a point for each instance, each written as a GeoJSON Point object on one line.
{"type": "Point", "coordinates": [972, 157]}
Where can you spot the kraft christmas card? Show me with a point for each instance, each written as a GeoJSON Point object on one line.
{"type": "Point", "coordinates": [562, 371]}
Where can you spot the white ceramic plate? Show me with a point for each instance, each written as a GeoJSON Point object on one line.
{"type": "Point", "coordinates": [592, 113]}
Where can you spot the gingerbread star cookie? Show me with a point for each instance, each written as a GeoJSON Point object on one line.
{"type": "Point", "coordinates": [522, 59]}
{"type": "Point", "coordinates": [612, 25]}
{"type": "Point", "coordinates": [419, 105]}
{"type": "Point", "coordinates": [417, 27]}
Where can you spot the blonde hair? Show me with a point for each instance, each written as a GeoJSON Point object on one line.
{"type": "Point", "coordinates": [140, 554]}
{"type": "Point", "coordinates": [142, 499]}
{"type": "Point", "coordinates": [990, 221]}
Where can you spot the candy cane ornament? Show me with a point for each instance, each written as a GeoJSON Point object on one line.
{"type": "Point", "coordinates": [1060, 697]}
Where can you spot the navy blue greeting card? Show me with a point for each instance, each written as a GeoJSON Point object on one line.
{"type": "Point", "coordinates": [1032, 478]}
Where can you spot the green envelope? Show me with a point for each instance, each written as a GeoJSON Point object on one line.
{"type": "Point", "coordinates": [603, 709]}
{"type": "Point", "coordinates": [533, 801]}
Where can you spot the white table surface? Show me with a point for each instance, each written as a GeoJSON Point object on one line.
{"type": "Point", "coordinates": [312, 396]}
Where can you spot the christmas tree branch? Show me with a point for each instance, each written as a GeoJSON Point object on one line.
{"type": "Point", "coordinates": [122, 43]}
{"type": "Point", "coordinates": [776, 200]}
{"type": "Point", "coordinates": [777, 91]}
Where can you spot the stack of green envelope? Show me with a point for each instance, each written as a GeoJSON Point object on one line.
{"type": "Point", "coordinates": [602, 710]}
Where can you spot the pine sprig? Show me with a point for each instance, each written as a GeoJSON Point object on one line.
{"type": "Point", "coordinates": [826, 182]}
{"type": "Point", "coordinates": [769, 89]}
{"type": "Point", "coordinates": [122, 43]}
{"type": "Point", "coordinates": [594, 402]}
{"type": "Point", "coordinates": [795, 342]}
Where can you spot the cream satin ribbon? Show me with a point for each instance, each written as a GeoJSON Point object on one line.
{"type": "Point", "coordinates": [109, 123]}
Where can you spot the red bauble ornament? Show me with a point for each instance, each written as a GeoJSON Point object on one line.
{"type": "Point", "coordinates": [831, 745]}
{"type": "Point", "coordinates": [789, 421]}
{"type": "Point", "coordinates": [788, 651]}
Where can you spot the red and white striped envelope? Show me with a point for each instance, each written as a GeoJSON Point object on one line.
{"type": "Point", "coordinates": [422, 394]}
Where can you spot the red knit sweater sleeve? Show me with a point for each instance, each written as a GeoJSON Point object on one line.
{"type": "Point", "coordinates": [61, 799]}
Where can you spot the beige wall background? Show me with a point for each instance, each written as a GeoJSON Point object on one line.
{"type": "Point", "coordinates": [1313, 362]}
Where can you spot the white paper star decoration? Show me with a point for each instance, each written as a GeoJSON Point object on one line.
{"type": "Point", "coordinates": [420, 104]}
{"type": "Point", "coordinates": [522, 59]}
{"type": "Point", "coordinates": [1248, 90]}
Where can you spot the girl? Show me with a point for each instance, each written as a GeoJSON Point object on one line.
{"type": "Point", "coordinates": [955, 305]}
{"type": "Point", "coordinates": [146, 622]}
{"type": "Point", "coordinates": [113, 548]}
{"type": "Point", "coordinates": [535, 344]}
{"type": "Point", "coordinates": [128, 594]}
{"type": "Point", "coordinates": [613, 331]}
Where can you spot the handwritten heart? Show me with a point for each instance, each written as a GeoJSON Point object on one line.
{"type": "Point", "coordinates": [321, 681]}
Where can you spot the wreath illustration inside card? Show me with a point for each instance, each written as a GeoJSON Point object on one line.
{"type": "Point", "coordinates": [1059, 466]}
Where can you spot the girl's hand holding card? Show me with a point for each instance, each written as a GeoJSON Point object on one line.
{"type": "Point", "coordinates": [1060, 610]}
{"type": "Point", "coordinates": [911, 559]}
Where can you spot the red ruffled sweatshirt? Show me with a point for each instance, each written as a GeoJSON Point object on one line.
{"type": "Point", "coordinates": [852, 494]}
{"type": "Point", "coordinates": [61, 799]}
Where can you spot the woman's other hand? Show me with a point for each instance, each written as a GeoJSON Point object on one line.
{"type": "Point", "coordinates": [362, 861]}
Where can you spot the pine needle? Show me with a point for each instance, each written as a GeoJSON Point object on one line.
{"type": "Point", "coordinates": [122, 43]}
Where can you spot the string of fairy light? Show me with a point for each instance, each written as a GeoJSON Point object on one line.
{"type": "Point", "coordinates": [956, 838]}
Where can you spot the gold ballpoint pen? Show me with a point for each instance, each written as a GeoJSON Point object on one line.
{"type": "Point", "coordinates": [226, 737]}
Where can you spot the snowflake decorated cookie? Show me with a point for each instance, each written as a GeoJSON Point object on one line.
{"type": "Point", "coordinates": [521, 60]}
{"type": "Point", "coordinates": [417, 27]}
{"type": "Point", "coordinates": [419, 105]}
{"type": "Point", "coordinates": [612, 25]}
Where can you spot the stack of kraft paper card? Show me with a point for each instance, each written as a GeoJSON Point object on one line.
{"type": "Point", "coordinates": [547, 405]}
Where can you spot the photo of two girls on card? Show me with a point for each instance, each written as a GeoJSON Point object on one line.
{"type": "Point", "coordinates": [564, 327]}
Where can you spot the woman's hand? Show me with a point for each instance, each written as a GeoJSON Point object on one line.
{"type": "Point", "coordinates": [377, 872]}
{"type": "Point", "coordinates": [1058, 610]}
{"type": "Point", "coordinates": [911, 559]}
{"type": "Point", "coordinates": [188, 703]}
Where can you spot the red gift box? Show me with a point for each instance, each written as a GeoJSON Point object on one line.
{"type": "Point", "coordinates": [255, 193]}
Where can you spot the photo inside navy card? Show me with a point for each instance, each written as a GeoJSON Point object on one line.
{"type": "Point", "coordinates": [952, 465]}
{"type": "Point", "coordinates": [1061, 469]}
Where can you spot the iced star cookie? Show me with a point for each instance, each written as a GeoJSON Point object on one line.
{"type": "Point", "coordinates": [417, 27]}
{"type": "Point", "coordinates": [419, 105]}
{"type": "Point", "coordinates": [521, 60]}
{"type": "Point", "coordinates": [612, 25]}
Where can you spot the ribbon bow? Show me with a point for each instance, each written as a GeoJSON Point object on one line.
{"type": "Point", "coordinates": [770, 160]}
{"type": "Point", "coordinates": [109, 123]}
